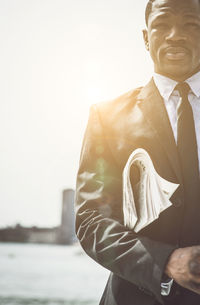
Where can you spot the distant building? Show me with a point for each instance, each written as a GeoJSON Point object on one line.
{"type": "Point", "coordinates": [43, 235]}
{"type": "Point", "coordinates": [29, 235]}
{"type": "Point", "coordinates": [67, 228]}
{"type": "Point", "coordinates": [63, 234]}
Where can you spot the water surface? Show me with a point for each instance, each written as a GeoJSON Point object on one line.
{"type": "Point", "coordinates": [49, 275]}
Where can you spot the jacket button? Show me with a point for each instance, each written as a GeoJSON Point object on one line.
{"type": "Point", "coordinates": [177, 203]}
{"type": "Point", "coordinates": [145, 291]}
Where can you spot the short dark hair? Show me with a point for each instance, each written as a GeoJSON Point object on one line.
{"type": "Point", "coordinates": [149, 9]}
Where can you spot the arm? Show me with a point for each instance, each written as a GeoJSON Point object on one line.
{"type": "Point", "coordinates": [99, 221]}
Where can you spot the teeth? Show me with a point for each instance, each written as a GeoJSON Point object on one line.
{"type": "Point", "coordinates": [175, 56]}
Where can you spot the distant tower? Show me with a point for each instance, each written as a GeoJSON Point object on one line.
{"type": "Point", "coordinates": [67, 233]}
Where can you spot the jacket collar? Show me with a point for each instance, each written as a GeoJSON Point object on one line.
{"type": "Point", "coordinates": [153, 109]}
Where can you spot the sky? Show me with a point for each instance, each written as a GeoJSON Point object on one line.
{"type": "Point", "coordinates": [57, 57]}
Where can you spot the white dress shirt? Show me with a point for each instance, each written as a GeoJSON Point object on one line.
{"type": "Point", "coordinates": [171, 99]}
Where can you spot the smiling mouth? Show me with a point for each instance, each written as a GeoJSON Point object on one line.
{"type": "Point", "coordinates": [176, 53]}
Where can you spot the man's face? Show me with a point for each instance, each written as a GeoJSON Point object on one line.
{"type": "Point", "coordinates": [173, 37]}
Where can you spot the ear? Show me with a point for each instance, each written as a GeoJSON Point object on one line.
{"type": "Point", "coordinates": [146, 40]}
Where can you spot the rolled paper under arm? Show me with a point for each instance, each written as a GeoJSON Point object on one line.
{"type": "Point", "coordinates": [153, 193]}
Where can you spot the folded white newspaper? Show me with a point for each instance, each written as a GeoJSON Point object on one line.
{"type": "Point", "coordinates": [152, 193]}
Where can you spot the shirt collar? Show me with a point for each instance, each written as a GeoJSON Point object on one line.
{"type": "Point", "coordinates": [166, 85]}
{"type": "Point", "coordinates": [194, 83]}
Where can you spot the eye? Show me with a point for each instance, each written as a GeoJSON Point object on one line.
{"type": "Point", "coordinates": [161, 26]}
{"type": "Point", "coordinates": [192, 25]}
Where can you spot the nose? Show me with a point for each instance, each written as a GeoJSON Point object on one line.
{"type": "Point", "coordinates": [176, 33]}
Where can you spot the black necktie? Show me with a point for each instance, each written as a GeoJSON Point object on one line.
{"type": "Point", "coordinates": [187, 145]}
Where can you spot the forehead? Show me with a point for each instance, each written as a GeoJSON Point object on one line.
{"type": "Point", "coordinates": [183, 7]}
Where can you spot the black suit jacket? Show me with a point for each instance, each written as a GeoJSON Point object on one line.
{"type": "Point", "coordinates": [136, 261]}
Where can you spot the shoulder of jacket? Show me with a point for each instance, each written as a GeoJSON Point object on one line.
{"type": "Point", "coordinates": [124, 101]}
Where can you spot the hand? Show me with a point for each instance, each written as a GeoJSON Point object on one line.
{"type": "Point", "coordinates": [184, 267]}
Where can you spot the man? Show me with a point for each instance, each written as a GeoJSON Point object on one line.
{"type": "Point", "coordinates": [158, 265]}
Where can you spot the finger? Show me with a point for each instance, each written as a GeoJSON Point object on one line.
{"type": "Point", "coordinates": [194, 285]}
{"type": "Point", "coordinates": [194, 263]}
{"type": "Point", "coordinates": [194, 267]}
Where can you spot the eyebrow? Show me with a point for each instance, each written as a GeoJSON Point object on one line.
{"type": "Point", "coordinates": [192, 16]}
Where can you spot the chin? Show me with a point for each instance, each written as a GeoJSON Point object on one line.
{"type": "Point", "coordinates": [177, 72]}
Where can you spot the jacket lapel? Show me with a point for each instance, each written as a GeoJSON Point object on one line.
{"type": "Point", "coordinates": [154, 111]}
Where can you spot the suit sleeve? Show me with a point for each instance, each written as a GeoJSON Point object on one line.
{"type": "Point", "coordinates": [99, 218]}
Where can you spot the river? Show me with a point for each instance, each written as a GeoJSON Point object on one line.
{"type": "Point", "coordinates": [32, 274]}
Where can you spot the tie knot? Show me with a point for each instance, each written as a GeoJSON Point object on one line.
{"type": "Point", "coordinates": [183, 89]}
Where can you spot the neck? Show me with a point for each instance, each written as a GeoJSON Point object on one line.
{"type": "Point", "coordinates": [179, 78]}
